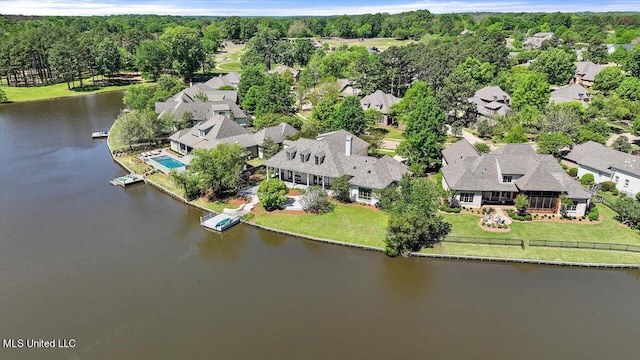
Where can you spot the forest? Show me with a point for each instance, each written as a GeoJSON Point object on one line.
{"type": "Point", "coordinates": [45, 50]}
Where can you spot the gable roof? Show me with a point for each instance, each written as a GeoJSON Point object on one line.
{"type": "Point", "coordinates": [536, 172]}
{"type": "Point", "coordinates": [216, 130]}
{"type": "Point", "coordinates": [573, 92]}
{"type": "Point", "coordinates": [587, 70]}
{"type": "Point", "coordinates": [276, 133]}
{"type": "Point", "coordinates": [282, 68]}
{"type": "Point", "coordinates": [459, 150]}
{"type": "Point", "coordinates": [201, 110]}
{"type": "Point", "coordinates": [379, 100]}
{"type": "Point", "coordinates": [230, 79]}
{"type": "Point", "coordinates": [492, 93]}
{"type": "Point", "coordinates": [600, 157]}
{"type": "Point", "coordinates": [365, 171]}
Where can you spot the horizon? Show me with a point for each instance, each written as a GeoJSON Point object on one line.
{"type": "Point", "coordinates": [289, 8]}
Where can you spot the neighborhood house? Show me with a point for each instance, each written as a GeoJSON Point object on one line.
{"type": "Point", "coordinates": [382, 102]}
{"type": "Point", "coordinates": [498, 177]}
{"type": "Point", "coordinates": [607, 165]}
{"type": "Point", "coordinates": [585, 73]}
{"type": "Point", "coordinates": [319, 161]}
{"type": "Point", "coordinates": [491, 101]}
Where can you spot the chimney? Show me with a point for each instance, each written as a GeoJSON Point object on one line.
{"type": "Point", "coordinates": [348, 147]}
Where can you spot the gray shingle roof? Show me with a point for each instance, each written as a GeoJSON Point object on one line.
{"type": "Point", "coordinates": [379, 100]}
{"type": "Point", "coordinates": [365, 171]}
{"type": "Point", "coordinates": [201, 110]}
{"type": "Point", "coordinates": [492, 93]}
{"type": "Point", "coordinates": [282, 68]}
{"type": "Point", "coordinates": [532, 172]}
{"type": "Point", "coordinates": [276, 133]}
{"type": "Point", "coordinates": [573, 92]}
{"type": "Point", "coordinates": [336, 140]}
{"type": "Point", "coordinates": [587, 70]}
{"type": "Point", "coordinates": [459, 150]}
{"type": "Point", "coordinates": [216, 130]}
{"type": "Point", "coordinates": [600, 157]}
{"type": "Point", "coordinates": [230, 79]}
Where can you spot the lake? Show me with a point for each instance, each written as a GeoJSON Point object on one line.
{"type": "Point", "coordinates": [131, 275]}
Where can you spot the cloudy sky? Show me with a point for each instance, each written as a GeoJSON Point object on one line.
{"type": "Point", "coordinates": [301, 7]}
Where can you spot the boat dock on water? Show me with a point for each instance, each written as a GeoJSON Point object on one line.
{"type": "Point", "coordinates": [127, 180]}
{"type": "Point", "coordinates": [99, 134]}
{"type": "Point", "coordinates": [218, 222]}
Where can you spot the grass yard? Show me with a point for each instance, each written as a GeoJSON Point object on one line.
{"type": "Point", "coordinates": [392, 133]}
{"type": "Point", "coordinates": [352, 224]}
{"type": "Point", "coordinates": [213, 206]}
{"type": "Point", "coordinates": [380, 43]}
{"type": "Point", "coordinates": [133, 163]}
{"type": "Point", "coordinates": [164, 181]}
{"type": "Point", "coordinates": [19, 94]}
{"type": "Point", "coordinates": [608, 231]}
{"type": "Point", "coordinates": [228, 60]}
{"type": "Point", "coordinates": [537, 253]}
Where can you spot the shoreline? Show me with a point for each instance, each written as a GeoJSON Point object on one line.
{"type": "Point", "coordinates": [377, 249]}
{"type": "Point", "coordinates": [72, 94]}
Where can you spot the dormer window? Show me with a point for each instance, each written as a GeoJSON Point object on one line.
{"type": "Point", "coordinates": [201, 133]}
{"type": "Point", "coordinates": [304, 157]}
{"type": "Point", "coordinates": [291, 154]}
{"type": "Point", "coordinates": [507, 178]}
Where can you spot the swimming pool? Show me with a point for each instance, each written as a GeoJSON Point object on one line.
{"type": "Point", "coordinates": [168, 162]}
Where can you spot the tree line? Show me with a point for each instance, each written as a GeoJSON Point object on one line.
{"type": "Point", "coordinates": [44, 50]}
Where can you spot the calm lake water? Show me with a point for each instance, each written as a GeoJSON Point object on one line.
{"type": "Point", "coordinates": [131, 275]}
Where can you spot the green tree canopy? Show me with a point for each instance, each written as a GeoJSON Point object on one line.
{"type": "Point", "coordinates": [349, 116]}
{"type": "Point", "coordinates": [552, 143]}
{"type": "Point", "coordinates": [272, 193]}
{"type": "Point", "coordinates": [533, 91]}
{"type": "Point", "coordinates": [137, 97]}
{"type": "Point", "coordinates": [632, 65]}
{"type": "Point", "coordinates": [151, 58]}
{"type": "Point", "coordinates": [629, 89]}
{"type": "Point", "coordinates": [556, 65]}
{"type": "Point", "coordinates": [184, 48]}
{"type": "Point", "coordinates": [219, 168]}
{"type": "Point", "coordinates": [424, 135]}
{"type": "Point", "coordinates": [608, 80]}
{"type": "Point", "coordinates": [251, 76]}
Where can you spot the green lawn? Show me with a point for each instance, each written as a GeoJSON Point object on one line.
{"type": "Point", "coordinates": [19, 94]}
{"type": "Point", "coordinates": [165, 182]}
{"type": "Point", "coordinates": [213, 206]}
{"type": "Point", "coordinates": [392, 133]}
{"type": "Point", "coordinates": [346, 223]}
{"type": "Point", "coordinates": [380, 43]}
{"type": "Point", "coordinates": [537, 253]}
{"type": "Point", "coordinates": [228, 60]}
{"type": "Point", "coordinates": [608, 231]}
{"type": "Point", "coordinates": [134, 164]}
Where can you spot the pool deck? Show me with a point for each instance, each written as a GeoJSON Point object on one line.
{"type": "Point", "coordinates": [149, 159]}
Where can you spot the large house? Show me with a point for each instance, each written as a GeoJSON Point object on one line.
{"type": "Point", "coordinates": [382, 102]}
{"type": "Point", "coordinates": [607, 165]}
{"type": "Point", "coordinates": [573, 92]}
{"type": "Point", "coordinates": [498, 177]}
{"type": "Point", "coordinates": [320, 161]}
{"type": "Point", "coordinates": [208, 134]}
{"type": "Point", "coordinates": [347, 89]}
{"type": "Point", "coordinates": [231, 79]}
{"type": "Point", "coordinates": [491, 101]}
{"type": "Point", "coordinates": [277, 134]}
{"type": "Point", "coordinates": [295, 73]}
{"type": "Point", "coordinates": [585, 73]}
{"type": "Point", "coordinates": [535, 41]}
{"type": "Point", "coordinates": [201, 101]}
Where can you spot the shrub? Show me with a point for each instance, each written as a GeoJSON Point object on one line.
{"type": "Point", "coordinates": [573, 172]}
{"type": "Point", "coordinates": [340, 189]}
{"type": "Point", "coordinates": [512, 214]}
{"type": "Point", "coordinates": [608, 186]}
{"type": "Point", "coordinates": [638, 196]}
{"type": "Point", "coordinates": [587, 179]}
{"type": "Point", "coordinates": [272, 193]}
{"type": "Point", "coordinates": [315, 201]}
{"type": "Point", "coordinates": [448, 209]}
{"type": "Point", "coordinates": [594, 214]}
{"type": "Point", "coordinates": [615, 191]}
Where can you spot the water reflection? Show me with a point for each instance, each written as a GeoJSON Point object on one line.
{"type": "Point", "coordinates": [227, 246]}
{"type": "Point", "coordinates": [410, 278]}
{"type": "Point", "coordinates": [635, 274]}
{"type": "Point", "coordinates": [270, 239]}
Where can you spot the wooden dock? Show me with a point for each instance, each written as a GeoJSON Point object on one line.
{"type": "Point", "coordinates": [218, 222]}
{"type": "Point", "coordinates": [127, 180]}
{"type": "Point", "coordinates": [99, 134]}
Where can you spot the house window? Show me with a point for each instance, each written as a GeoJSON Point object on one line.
{"type": "Point", "coordinates": [466, 197]}
{"type": "Point", "coordinates": [626, 183]}
{"type": "Point", "coordinates": [507, 178]}
{"type": "Point", "coordinates": [317, 159]}
{"type": "Point", "coordinates": [617, 179]}
{"type": "Point", "coordinates": [291, 155]}
{"type": "Point", "coordinates": [364, 193]}
{"type": "Point", "coordinates": [572, 207]}
{"type": "Point", "coordinates": [289, 174]}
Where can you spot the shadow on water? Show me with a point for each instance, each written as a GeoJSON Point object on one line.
{"type": "Point", "coordinates": [635, 274]}
{"type": "Point", "coordinates": [409, 278]}
{"type": "Point", "coordinates": [269, 238]}
{"type": "Point", "coordinates": [227, 246]}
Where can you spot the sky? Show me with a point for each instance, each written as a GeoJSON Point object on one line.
{"type": "Point", "coordinates": [301, 7]}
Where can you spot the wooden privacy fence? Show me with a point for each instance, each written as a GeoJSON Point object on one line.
{"type": "Point", "coordinates": [485, 240]}
{"type": "Point", "coordinates": [585, 245]}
